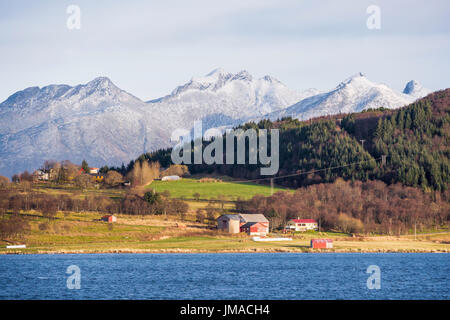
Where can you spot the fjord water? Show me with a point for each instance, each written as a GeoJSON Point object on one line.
{"type": "Point", "coordinates": [226, 276]}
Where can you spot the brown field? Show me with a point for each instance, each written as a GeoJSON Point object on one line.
{"type": "Point", "coordinates": [81, 233]}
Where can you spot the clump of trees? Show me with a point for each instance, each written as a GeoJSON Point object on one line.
{"type": "Point", "coordinates": [113, 178]}
{"type": "Point", "coordinates": [356, 207]}
{"type": "Point", "coordinates": [4, 182]}
{"type": "Point", "coordinates": [175, 170]}
{"type": "Point", "coordinates": [134, 202]}
{"type": "Point", "coordinates": [143, 173]}
{"type": "Point", "coordinates": [67, 173]}
{"type": "Point", "coordinates": [84, 181]}
{"type": "Point", "coordinates": [13, 228]}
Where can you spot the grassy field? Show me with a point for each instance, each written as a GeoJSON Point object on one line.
{"type": "Point", "coordinates": [82, 233]}
{"type": "Point", "coordinates": [208, 190]}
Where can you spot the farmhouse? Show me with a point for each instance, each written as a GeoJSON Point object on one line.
{"type": "Point", "coordinates": [252, 224]}
{"type": "Point", "coordinates": [109, 218]}
{"type": "Point", "coordinates": [301, 225]}
{"type": "Point", "coordinates": [94, 170]}
{"type": "Point", "coordinates": [40, 175]}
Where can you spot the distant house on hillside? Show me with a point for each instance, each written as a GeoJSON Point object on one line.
{"type": "Point", "coordinates": [94, 170]}
{"type": "Point", "coordinates": [40, 175]}
{"type": "Point", "coordinates": [252, 224]}
{"type": "Point", "coordinates": [170, 178]}
{"type": "Point", "coordinates": [301, 225]}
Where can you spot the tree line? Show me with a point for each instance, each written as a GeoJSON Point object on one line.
{"type": "Point", "coordinates": [356, 207]}
{"type": "Point", "coordinates": [414, 140]}
{"type": "Point", "coordinates": [135, 202]}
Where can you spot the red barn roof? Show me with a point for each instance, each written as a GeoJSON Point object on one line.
{"type": "Point", "coordinates": [304, 220]}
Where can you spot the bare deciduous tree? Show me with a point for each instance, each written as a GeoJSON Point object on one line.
{"type": "Point", "coordinates": [113, 178]}
{"type": "Point", "coordinates": [144, 172]}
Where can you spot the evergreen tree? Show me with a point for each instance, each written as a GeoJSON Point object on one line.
{"type": "Point", "coordinates": [85, 166]}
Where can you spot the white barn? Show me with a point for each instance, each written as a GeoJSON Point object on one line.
{"type": "Point", "coordinates": [170, 178]}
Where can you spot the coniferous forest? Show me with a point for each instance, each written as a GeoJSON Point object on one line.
{"type": "Point", "coordinates": [414, 139]}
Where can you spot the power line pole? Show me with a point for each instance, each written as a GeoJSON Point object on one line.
{"type": "Point", "coordinates": [362, 142]}
{"type": "Point", "coordinates": [415, 230]}
{"type": "Point", "coordinates": [383, 160]}
{"type": "Point", "coordinates": [271, 187]}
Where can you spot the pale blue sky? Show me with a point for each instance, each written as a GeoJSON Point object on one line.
{"type": "Point", "coordinates": [149, 47]}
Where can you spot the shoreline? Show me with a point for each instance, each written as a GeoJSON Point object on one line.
{"type": "Point", "coordinates": [199, 251]}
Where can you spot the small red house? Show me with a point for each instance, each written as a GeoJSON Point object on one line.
{"type": "Point", "coordinates": [109, 219]}
{"type": "Point", "coordinates": [255, 228]}
{"type": "Point", "coordinates": [321, 243]}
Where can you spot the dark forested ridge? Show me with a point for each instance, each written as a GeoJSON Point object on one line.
{"type": "Point", "coordinates": [415, 140]}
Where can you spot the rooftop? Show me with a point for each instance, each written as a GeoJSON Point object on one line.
{"type": "Point", "coordinates": [304, 220]}
{"type": "Point", "coordinates": [253, 218]}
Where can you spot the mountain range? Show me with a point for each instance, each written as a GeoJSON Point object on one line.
{"type": "Point", "coordinates": [104, 124]}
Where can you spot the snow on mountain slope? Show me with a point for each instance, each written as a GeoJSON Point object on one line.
{"type": "Point", "coordinates": [103, 124]}
{"type": "Point", "coordinates": [96, 121]}
{"type": "Point", "coordinates": [354, 94]}
{"type": "Point", "coordinates": [221, 97]}
{"type": "Point", "coordinates": [415, 89]}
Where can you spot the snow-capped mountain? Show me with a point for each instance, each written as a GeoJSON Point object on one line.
{"type": "Point", "coordinates": [354, 94]}
{"type": "Point", "coordinates": [96, 121]}
{"type": "Point", "coordinates": [223, 98]}
{"type": "Point", "coordinates": [415, 89]}
{"type": "Point", "coordinates": [103, 124]}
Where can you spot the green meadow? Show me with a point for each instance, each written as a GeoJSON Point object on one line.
{"type": "Point", "coordinates": [186, 188]}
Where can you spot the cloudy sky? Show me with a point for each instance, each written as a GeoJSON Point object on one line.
{"type": "Point", "coordinates": [149, 47]}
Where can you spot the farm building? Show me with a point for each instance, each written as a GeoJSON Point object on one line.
{"type": "Point", "coordinates": [94, 170]}
{"type": "Point", "coordinates": [301, 225]}
{"type": "Point", "coordinates": [255, 228]}
{"type": "Point", "coordinates": [109, 218]}
{"type": "Point", "coordinates": [229, 223]}
{"type": "Point", "coordinates": [170, 178]}
{"type": "Point", "coordinates": [321, 243]}
{"type": "Point", "coordinates": [252, 224]}
{"type": "Point", "coordinates": [40, 175]}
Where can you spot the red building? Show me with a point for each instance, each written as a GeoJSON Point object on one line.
{"type": "Point", "coordinates": [254, 224]}
{"type": "Point", "coordinates": [321, 243]}
{"type": "Point", "coordinates": [255, 228]}
{"type": "Point", "coordinates": [109, 219]}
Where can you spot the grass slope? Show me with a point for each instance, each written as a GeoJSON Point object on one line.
{"type": "Point", "coordinates": [188, 187]}
{"type": "Point", "coordinates": [80, 232]}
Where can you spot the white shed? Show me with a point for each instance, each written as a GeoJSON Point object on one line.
{"type": "Point", "coordinates": [170, 178]}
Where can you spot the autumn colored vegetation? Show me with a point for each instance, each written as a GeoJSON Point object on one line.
{"type": "Point", "coordinates": [356, 207]}
{"type": "Point", "coordinates": [414, 139]}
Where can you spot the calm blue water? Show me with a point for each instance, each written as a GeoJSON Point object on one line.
{"type": "Point", "coordinates": [226, 276]}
